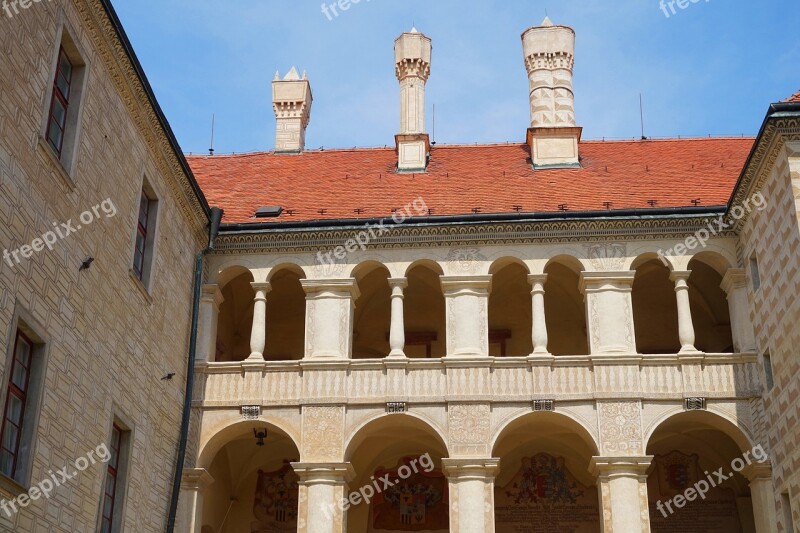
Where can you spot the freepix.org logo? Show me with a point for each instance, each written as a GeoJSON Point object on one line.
{"type": "Point", "coordinates": [12, 7]}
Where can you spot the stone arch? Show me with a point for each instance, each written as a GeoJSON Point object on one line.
{"type": "Point", "coordinates": [569, 420]}
{"type": "Point", "coordinates": [510, 314]}
{"type": "Point", "coordinates": [236, 427]}
{"type": "Point", "coordinates": [432, 264]}
{"type": "Point", "coordinates": [424, 311]}
{"type": "Point", "coordinates": [709, 303]}
{"type": "Point", "coordinates": [235, 318]}
{"type": "Point", "coordinates": [655, 306]}
{"type": "Point", "coordinates": [290, 266]}
{"type": "Point", "coordinates": [418, 420]}
{"type": "Point", "coordinates": [565, 310]}
{"type": "Point", "coordinates": [713, 419]}
{"type": "Point", "coordinates": [372, 314]}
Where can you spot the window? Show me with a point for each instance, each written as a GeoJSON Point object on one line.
{"type": "Point", "coordinates": [61, 118]}
{"type": "Point", "coordinates": [16, 404]}
{"type": "Point", "coordinates": [755, 276]}
{"type": "Point", "coordinates": [112, 478]}
{"type": "Point", "coordinates": [768, 372]}
{"type": "Point", "coordinates": [786, 507]}
{"type": "Point", "coordinates": [144, 240]}
{"type": "Point", "coordinates": [59, 104]}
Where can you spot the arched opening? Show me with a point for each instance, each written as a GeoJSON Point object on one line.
{"type": "Point", "coordinates": [235, 318]}
{"type": "Point", "coordinates": [286, 315]}
{"type": "Point", "coordinates": [510, 310]}
{"type": "Point", "coordinates": [564, 308]}
{"type": "Point", "coordinates": [410, 452]}
{"type": "Point", "coordinates": [544, 476]}
{"type": "Point", "coordinates": [688, 449]}
{"type": "Point", "coordinates": [424, 312]}
{"type": "Point", "coordinates": [655, 307]}
{"type": "Point", "coordinates": [709, 303]}
{"type": "Point", "coordinates": [372, 312]}
{"type": "Point", "coordinates": [255, 488]}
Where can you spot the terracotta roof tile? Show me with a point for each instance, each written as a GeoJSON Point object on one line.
{"type": "Point", "coordinates": [361, 183]}
{"type": "Point", "coordinates": [794, 98]}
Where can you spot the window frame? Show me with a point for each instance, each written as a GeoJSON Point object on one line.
{"type": "Point", "coordinates": [121, 469]}
{"type": "Point", "coordinates": [13, 390]}
{"type": "Point", "coordinates": [58, 96]}
{"type": "Point", "coordinates": [145, 277]}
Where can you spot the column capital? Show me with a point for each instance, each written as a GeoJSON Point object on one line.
{"type": "Point", "coordinates": [211, 293]}
{"type": "Point", "coordinates": [331, 288]}
{"type": "Point", "coordinates": [537, 280]}
{"type": "Point", "coordinates": [680, 275]}
{"type": "Point", "coordinates": [196, 479]}
{"type": "Point", "coordinates": [265, 286]}
{"type": "Point", "coordinates": [758, 472]}
{"type": "Point", "coordinates": [462, 285]}
{"type": "Point", "coordinates": [606, 281]}
{"type": "Point", "coordinates": [470, 469]}
{"type": "Point", "coordinates": [324, 473]}
{"type": "Point", "coordinates": [616, 467]}
{"type": "Point", "coordinates": [400, 283]}
{"type": "Point", "coordinates": [734, 278]}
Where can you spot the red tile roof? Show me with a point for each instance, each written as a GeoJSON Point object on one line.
{"type": "Point", "coordinates": [794, 98]}
{"type": "Point", "coordinates": [361, 183]}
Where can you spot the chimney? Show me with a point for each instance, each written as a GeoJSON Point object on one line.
{"type": "Point", "coordinates": [412, 55]}
{"type": "Point", "coordinates": [291, 100]}
{"type": "Point", "coordinates": [549, 57]}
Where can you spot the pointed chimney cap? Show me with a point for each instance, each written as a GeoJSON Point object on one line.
{"type": "Point", "coordinates": [292, 75]}
{"type": "Point", "coordinates": [546, 23]}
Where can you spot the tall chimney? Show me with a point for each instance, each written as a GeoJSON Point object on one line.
{"type": "Point", "coordinates": [412, 54]}
{"type": "Point", "coordinates": [291, 100]}
{"type": "Point", "coordinates": [549, 58]}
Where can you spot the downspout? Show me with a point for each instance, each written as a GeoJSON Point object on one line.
{"type": "Point", "coordinates": [216, 219]}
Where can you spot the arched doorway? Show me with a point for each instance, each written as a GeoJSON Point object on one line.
{"type": "Point", "coordinates": [255, 488]}
{"type": "Point", "coordinates": [698, 482]}
{"type": "Point", "coordinates": [544, 476]}
{"type": "Point", "coordinates": [406, 452]}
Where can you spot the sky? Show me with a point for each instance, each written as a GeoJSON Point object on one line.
{"type": "Point", "coordinates": [711, 68]}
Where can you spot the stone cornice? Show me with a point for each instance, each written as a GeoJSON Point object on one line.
{"type": "Point", "coordinates": [98, 24]}
{"type": "Point", "coordinates": [474, 234]}
{"type": "Point", "coordinates": [777, 131]}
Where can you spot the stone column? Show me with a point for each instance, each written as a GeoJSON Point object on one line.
{"type": "Point", "coordinates": [258, 334]}
{"type": "Point", "coordinates": [539, 326]}
{"type": "Point", "coordinates": [397, 333]}
{"type": "Point", "coordinates": [623, 493]}
{"type": "Point", "coordinates": [762, 493]}
{"type": "Point", "coordinates": [323, 488]}
{"type": "Point", "coordinates": [189, 518]}
{"type": "Point", "coordinates": [330, 305]}
{"type": "Point", "coordinates": [471, 494]}
{"type": "Point", "coordinates": [467, 302]}
{"type": "Point", "coordinates": [210, 300]}
{"type": "Point", "coordinates": [685, 326]}
{"type": "Point", "coordinates": [735, 286]}
{"type": "Point", "coordinates": [609, 311]}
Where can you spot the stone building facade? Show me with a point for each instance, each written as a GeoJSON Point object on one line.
{"type": "Point", "coordinates": [102, 337]}
{"type": "Point", "coordinates": [613, 338]}
{"type": "Point", "coordinates": [556, 335]}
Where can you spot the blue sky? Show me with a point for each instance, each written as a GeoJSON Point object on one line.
{"type": "Point", "coordinates": [711, 68]}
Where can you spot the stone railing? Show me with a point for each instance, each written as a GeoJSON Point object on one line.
{"type": "Point", "coordinates": [485, 379]}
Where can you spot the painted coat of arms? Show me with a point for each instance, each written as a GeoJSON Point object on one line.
{"type": "Point", "coordinates": [543, 479]}
{"type": "Point", "coordinates": [275, 506]}
{"type": "Point", "coordinates": [418, 503]}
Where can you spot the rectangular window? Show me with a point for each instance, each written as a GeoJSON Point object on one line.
{"type": "Point", "coordinates": [755, 275]}
{"type": "Point", "coordinates": [144, 247]}
{"type": "Point", "coordinates": [16, 403]}
{"type": "Point", "coordinates": [59, 104]}
{"type": "Point", "coordinates": [110, 489]}
{"type": "Point", "coordinates": [768, 372]}
{"type": "Point", "coordinates": [142, 227]}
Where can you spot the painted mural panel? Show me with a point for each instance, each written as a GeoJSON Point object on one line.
{"type": "Point", "coordinates": [673, 473]}
{"type": "Point", "coordinates": [544, 497]}
{"type": "Point", "coordinates": [275, 505]}
{"type": "Point", "coordinates": [417, 503]}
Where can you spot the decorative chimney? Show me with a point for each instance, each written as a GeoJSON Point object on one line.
{"type": "Point", "coordinates": [291, 100]}
{"type": "Point", "coordinates": [549, 58]}
{"type": "Point", "coordinates": [412, 54]}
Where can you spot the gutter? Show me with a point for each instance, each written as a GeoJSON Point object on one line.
{"type": "Point", "coordinates": [489, 218]}
{"type": "Point", "coordinates": [213, 230]}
